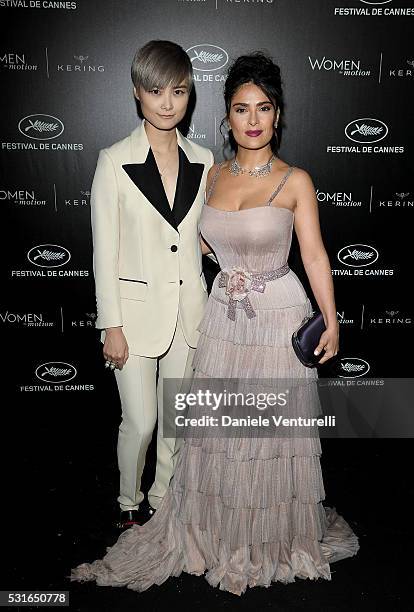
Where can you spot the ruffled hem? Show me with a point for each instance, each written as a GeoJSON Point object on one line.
{"type": "Point", "coordinates": [249, 482]}
{"type": "Point", "coordinates": [282, 531]}
{"type": "Point", "coordinates": [164, 547]}
{"type": "Point", "coordinates": [240, 527]}
{"type": "Point", "coordinates": [243, 502]}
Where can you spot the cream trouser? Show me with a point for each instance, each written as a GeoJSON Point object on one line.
{"type": "Point", "coordinates": [142, 401]}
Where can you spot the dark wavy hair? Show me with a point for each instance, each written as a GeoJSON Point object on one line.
{"type": "Point", "coordinates": [258, 68]}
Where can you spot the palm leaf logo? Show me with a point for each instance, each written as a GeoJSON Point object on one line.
{"type": "Point", "coordinates": [355, 254]}
{"type": "Point", "coordinates": [367, 130]}
{"type": "Point", "coordinates": [352, 367]}
{"type": "Point", "coordinates": [41, 126]}
{"type": "Point", "coordinates": [206, 57]}
{"type": "Point", "coordinates": [49, 255]}
{"type": "Point", "coordinates": [53, 371]}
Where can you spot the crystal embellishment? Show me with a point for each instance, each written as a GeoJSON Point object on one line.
{"type": "Point", "coordinates": [240, 282]}
{"type": "Point", "coordinates": [236, 169]}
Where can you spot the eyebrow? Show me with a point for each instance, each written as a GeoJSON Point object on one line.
{"type": "Point", "coordinates": [172, 87]}
{"type": "Point", "coordinates": [258, 104]}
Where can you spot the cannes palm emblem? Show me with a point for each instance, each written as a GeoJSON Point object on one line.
{"type": "Point", "coordinates": [53, 371]}
{"type": "Point", "coordinates": [207, 58]}
{"type": "Point", "coordinates": [357, 255]}
{"type": "Point", "coordinates": [41, 126]}
{"type": "Point", "coordinates": [49, 255]}
{"type": "Point", "coordinates": [352, 367]}
{"type": "Point", "coordinates": [367, 130]}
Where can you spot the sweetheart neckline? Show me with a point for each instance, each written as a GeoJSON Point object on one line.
{"type": "Point", "coordinates": [252, 208]}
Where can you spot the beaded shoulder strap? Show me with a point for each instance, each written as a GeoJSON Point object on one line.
{"type": "Point", "coordinates": [280, 186]}
{"type": "Point", "coordinates": [213, 182]}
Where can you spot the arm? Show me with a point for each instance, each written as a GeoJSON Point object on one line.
{"type": "Point", "coordinates": [105, 237]}
{"type": "Point", "coordinates": [205, 249]}
{"type": "Point", "coordinates": [315, 260]}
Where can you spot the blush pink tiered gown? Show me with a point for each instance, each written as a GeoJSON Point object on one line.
{"type": "Point", "coordinates": [244, 512]}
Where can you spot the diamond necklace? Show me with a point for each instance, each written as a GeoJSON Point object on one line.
{"type": "Point", "coordinates": [258, 171]}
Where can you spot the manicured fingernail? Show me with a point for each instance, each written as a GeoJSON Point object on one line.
{"type": "Point", "coordinates": [316, 352]}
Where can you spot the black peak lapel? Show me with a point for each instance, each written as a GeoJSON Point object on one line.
{"type": "Point", "coordinates": [147, 178]}
{"type": "Point", "coordinates": [188, 184]}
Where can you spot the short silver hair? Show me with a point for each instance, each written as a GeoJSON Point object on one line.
{"type": "Point", "coordinates": [160, 63]}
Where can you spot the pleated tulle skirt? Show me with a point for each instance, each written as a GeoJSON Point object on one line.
{"type": "Point", "coordinates": [244, 511]}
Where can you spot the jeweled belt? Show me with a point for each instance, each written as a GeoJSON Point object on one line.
{"type": "Point", "coordinates": [240, 282]}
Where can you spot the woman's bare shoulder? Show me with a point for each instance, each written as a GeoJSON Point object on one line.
{"type": "Point", "coordinates": [214, 170]}
{"type": "Point", "coordinates": [301, 183]}
{"type": "Point", "coordinates": [301, 177]}
{"type": "Point", "coordinates": [210, 174]}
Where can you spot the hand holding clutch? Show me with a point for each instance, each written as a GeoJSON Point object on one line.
{"type": "Point", "coordinates": [306, 338]}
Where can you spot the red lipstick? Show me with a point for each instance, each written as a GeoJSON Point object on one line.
{"type": "Point", "coordinates": [253, 133]}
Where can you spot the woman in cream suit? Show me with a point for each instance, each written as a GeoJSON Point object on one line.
{"type": "Point", "coordinates": [146, 201]}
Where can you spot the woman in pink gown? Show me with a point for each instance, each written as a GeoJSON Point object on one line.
{"type": "Point", "coordinates": [247, 511]}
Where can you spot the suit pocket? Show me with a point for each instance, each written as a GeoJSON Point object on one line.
{"type": "Point", "coordinates": [131, 289]}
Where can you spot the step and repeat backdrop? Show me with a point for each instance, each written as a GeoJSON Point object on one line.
{"type": "Point", "coordinates": [348, 73]}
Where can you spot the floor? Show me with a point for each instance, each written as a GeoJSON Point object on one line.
{"type": "Point", "coordinates": [69, 476]}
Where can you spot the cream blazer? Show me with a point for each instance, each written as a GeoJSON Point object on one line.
{"type": "Point", "coordinates": [147, 256]}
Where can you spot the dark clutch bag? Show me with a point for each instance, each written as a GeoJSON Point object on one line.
{"type": "Point", "coordinates": [306, 338]}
